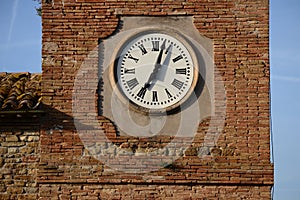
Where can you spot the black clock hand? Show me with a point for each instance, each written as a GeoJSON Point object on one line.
{"type": "Point", "coordinates": [157, 67]}
{"type": "Point", "coordinates": [162, 48]}
{"type": "Point", "coordinates": [164, 67]}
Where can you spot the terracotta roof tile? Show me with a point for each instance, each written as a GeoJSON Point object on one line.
{"type": "Point", "coordinates": [20, 91]}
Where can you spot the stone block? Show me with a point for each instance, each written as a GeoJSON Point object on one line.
{"type": "Point", "coordinates": [6, 196]}
{"type": "Point", "coordinates": [14, 190]}
{"type": "Point", "coordinates": [3, 150]}
{"type": "Point", "coordinates": [28, 197]}
{"type": "Point", "coordinates": [23, 138]}
{"type": "Point", "coordinates": [13, 144]}
{"type": "Point", "coordinates": [2, 187]}
{"type": "Point", "coordinates": [26, 150]}
{"type": "Point", "coordinates": [33, 138]}
{"type": "Point", "coordinates": [12, 138]}
{"type": "Point", "coordinates": [13, 150]}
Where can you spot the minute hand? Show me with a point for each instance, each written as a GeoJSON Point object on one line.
{"type": "Point", "coordinates": [162, 48]}
{"type": "Point", "coordinates": [157, 66]}
{"type": "Point", "coordinates": [165, 64]}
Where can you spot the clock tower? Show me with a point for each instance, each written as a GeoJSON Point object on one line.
{"type": "Point", "coordinates": [155, 100]}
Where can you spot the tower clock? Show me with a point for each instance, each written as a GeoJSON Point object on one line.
{"type": "Point", "coordinates": [155, 100]}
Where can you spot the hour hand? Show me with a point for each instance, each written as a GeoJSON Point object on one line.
{"type": "Point", "coordinates": [147, 85]}
{"type": "Point", "coordinates": [153, 77]}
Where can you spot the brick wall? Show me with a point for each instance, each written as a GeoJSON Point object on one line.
{"type": "Point", "coordinates": [239, 162]}
{"type": "Point", "coordinates": [19, 149]}
{"type": "Point", "coordinates": [161, 192]}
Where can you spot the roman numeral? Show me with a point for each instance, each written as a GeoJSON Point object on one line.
{"type": "Point", "coordinates": [129, 71]}
{"type": "Point", "coordinates": [133, 58]}
{"type": "Point", "coordinates": [142, 93]}
{"type": "Point", "coordinates": [155, 45]}
{"type": "Point", "coordinates": [178, 84]}
{"type": "Point", "coordinates": [168, 93]}
{"type": "Point", "coordinates": [142, 48]}
{"type": "Point", "coordinates": [177, 58]}
{"type": "Point", "coordinates": [181, 71]}
{"type": "Point", "coordinates": [132, 83]}
{"type": "Point", "coordinates": [154, 96]}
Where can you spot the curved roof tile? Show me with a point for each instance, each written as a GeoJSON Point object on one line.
{"type": "Point", "coordinates": [20, 91]}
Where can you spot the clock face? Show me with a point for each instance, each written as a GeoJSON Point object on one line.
{"type": "Point", "coordinates": [155, 71]}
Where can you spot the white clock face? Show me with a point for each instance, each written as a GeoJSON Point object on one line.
{"type": "Point", "coordinates": [155, 71]}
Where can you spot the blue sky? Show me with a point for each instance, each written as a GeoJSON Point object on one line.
{"type": "Point", "coordinates": [20, 50]}
{"type": "Point", "coordinates": [21, 36]}
{"type": "Point", "coordinates": [285, 84]}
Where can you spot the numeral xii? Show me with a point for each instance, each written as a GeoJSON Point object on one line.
{"type": "Point", "coordinates": [155, 45]}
